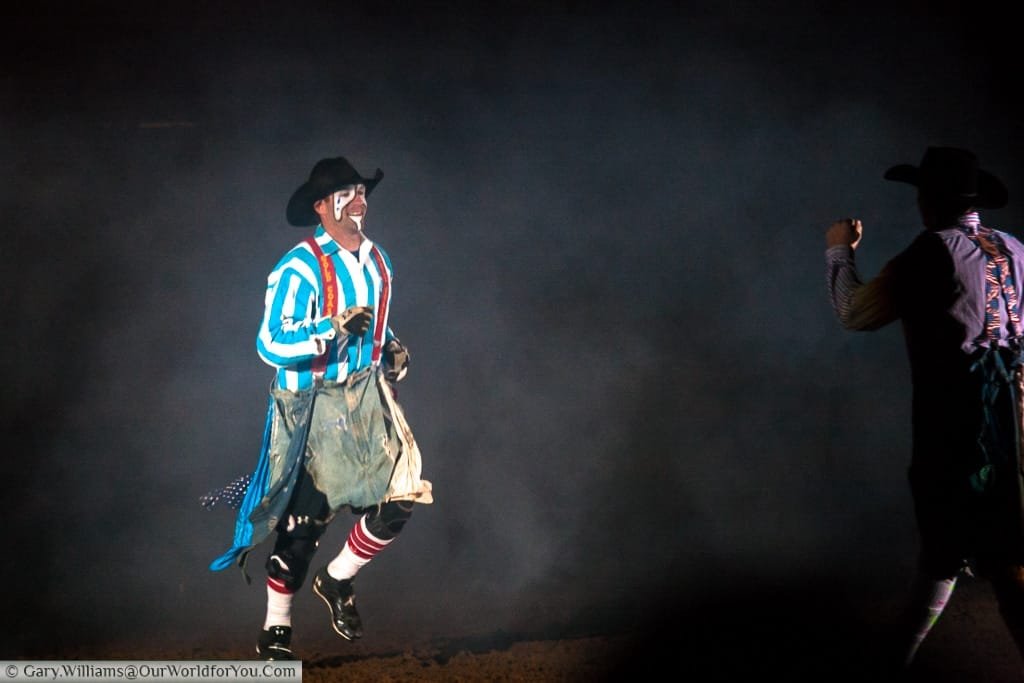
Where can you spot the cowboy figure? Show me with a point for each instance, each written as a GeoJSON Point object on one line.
{"type": "Point", "coordinates": [335, 435]}
{"type": "Point", "coordinates": [956, 291]}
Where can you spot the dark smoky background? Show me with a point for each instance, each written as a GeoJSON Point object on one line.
{"type": "Point", "coordinates": [607, 226]}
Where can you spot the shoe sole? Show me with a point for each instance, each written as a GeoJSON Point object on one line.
{"type": "Point", "coordinates": [316, 589]}
{"type": "Point", "coordinates": [263, 655]}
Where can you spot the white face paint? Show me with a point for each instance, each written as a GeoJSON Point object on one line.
{"type": "Point", "coordinates": [344, 197]}
{"type": "Point", "coordinates": [341, 199]}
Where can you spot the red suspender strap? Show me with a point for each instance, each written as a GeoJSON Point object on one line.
{"type": "Point", "coordinates": [381, 314]}
{"type": "Point", "coordinates": [329, 300]}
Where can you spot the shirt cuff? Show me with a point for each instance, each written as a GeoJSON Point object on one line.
{"type": "Point", "coordinates": [323, 329]}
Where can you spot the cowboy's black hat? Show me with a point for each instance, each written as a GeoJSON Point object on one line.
{"type": "Point", "coordinates": [952, 172]}
{"type": "Point", "coordinates": [329, 175]}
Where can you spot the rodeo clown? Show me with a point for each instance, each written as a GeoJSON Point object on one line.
{"type": "Point", "coordinates": [335, 435]}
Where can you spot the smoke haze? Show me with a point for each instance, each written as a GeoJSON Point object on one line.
{"type": "Point", "coordinates": [607, 228]}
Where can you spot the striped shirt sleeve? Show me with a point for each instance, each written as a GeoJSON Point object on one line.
{"type": "Point", "coordinates": [859, 305]}
{"type": "Point", "coordinates": [292, 330]}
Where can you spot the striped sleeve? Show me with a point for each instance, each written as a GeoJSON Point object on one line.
{"type": "Point", "coordinates": [292, 330]}
{"type": "Point", "coordinates": [858, 305]}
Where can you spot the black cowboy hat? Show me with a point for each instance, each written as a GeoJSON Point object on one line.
{"type": "Point", "coordinates": [329, 175]}
{"type": "Point", "coordinates": [954, 173]}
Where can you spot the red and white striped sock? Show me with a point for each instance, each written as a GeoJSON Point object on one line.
{"type": "Point", "coordinates": [360, 548]}
{"type": "Point", "coordinates": [279, 604]}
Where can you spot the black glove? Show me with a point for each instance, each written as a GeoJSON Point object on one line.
{"type": "Point", "coordinates": [353, 320]}
{"type": "Point", "coordinates": [396, 361]}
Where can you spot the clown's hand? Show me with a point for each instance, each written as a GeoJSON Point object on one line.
{"type": "Point", "coordinates": [353, 320]}
{"type": "Point", "coordinates": [396, 361]}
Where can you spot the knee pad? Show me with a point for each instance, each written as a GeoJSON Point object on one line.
{"type": "Point", "coordinates": [386, 522]}
{"type": "Point", "coordinates": [293, 551]}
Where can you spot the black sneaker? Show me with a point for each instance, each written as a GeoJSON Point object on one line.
{"type": "Point", "coordinates": [341, 600]}
{"type": "Point", "coordinates": [275, 643]}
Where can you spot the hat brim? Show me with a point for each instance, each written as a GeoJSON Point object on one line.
{"type": "Point", "coordinates": [904, 173]}
{"type": "Point", "coordinates": [992, 194]}
{"type": "Point", "coordinates": [300, 210]}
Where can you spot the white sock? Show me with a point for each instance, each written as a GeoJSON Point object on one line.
{"type": "Point", "coordinates": [928, 604]}
{"type": "Point", "coordinates": [279, 604]}
{"type": "Point", "coordinates": [360, 548]}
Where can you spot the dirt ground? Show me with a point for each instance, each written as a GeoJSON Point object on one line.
{"type": "Point", "coordinates": [788, 637]}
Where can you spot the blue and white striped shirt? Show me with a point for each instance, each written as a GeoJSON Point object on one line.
{"type": "Point", "coordinates": [293, 331]}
